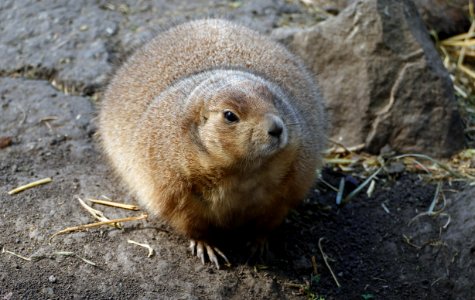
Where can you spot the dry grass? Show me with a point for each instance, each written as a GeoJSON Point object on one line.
{"type": "Point", "coordinates": [103, 220]}
{"type": "Point", "coordinates": [458, 55]}
{"type": "Point", "coordinates": [460, 167]}
{"type": "Point", "coordinates": [367, 168]}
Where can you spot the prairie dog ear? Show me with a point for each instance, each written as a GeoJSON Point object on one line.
{"type": "Point", "coordinates": [197, 115]}
{"type": "Point", "coordinates": [190, 125]}
{"type": "Point", "coordinates": [203, 113]}
{"type": "Point", "coordinates": [192, 116]}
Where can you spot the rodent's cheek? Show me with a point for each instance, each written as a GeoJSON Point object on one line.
{"type": "Point", "coordinates": [260, 142]}
{"type": "Point", "coordinates": [219, 143]}
{"type": "Point", "coordinates": [211, 140]}
{"type": "Point", "coordinates": [243, 144]}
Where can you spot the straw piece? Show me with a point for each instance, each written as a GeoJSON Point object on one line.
{"type": "Point", "coordinates": [328, 184]}
{"type": "Point", "coordinates": [72, 254]}
{"type": "Point", "coordinates": [337, 161]}
{"type": "Point", "coordinates": [370, 190]}
{"type": "Point", "coordinates": [98, 224]}
{"type": "Point", "coordinates": [467, 71]}
{"type": "Point", "coordinates": [115, 204]}
{"type": "Point", "coordinates": [434, 200]}
{"type": "Point", "coordinates": [465, 43]}
{"type": "Point", "coordinates": [97, 214]}
{"type": "Point", "coordinates": [386, 209]}
{"type": "Point", "coordinates": [459, 37]}
{"type": "Point", "coordinates": [361, 186]}
{"type": "Point", "coordinates": [30, 185]}
{"type": "Point", "coordinates": [325, 259]}
{"type": "Point", "coordinates": [17, 255]}
{"type": "Point", "coordinates": [341, 189]}
{"type": "Point", "coordinates": [147, 246]}
{"type": "Point", "coordinates": [462, 52]}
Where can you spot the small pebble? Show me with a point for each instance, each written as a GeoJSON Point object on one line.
{"type": "Point", "coordinates": [47, 291]}
{"type": "Point", "coordinates": [110, 31]}
{"type": "Point", "coordinates": [52, 279]}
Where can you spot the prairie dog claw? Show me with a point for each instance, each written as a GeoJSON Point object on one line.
{"type": "Point", "coordinates": [199, 248]}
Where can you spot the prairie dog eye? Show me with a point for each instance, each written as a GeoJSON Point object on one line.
{"type": "Point", "coordinates": [230, 116]}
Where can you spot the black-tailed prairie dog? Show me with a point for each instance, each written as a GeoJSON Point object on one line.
{"type": "Point", "coordinates": [214, 127]}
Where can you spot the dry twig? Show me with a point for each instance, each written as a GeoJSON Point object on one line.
{"type": "Point", "coordinates": [98, 224]}
{"type": "Point", "coordinates": [325, 259]}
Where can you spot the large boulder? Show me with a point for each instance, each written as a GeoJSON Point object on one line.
{"type": "Point", "coordinates": [444, 17]}
{"type": "Point", "coordinates": [383, 80]}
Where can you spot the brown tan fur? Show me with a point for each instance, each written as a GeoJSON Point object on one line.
{"type": "Point", "coordinates": [162, 126]}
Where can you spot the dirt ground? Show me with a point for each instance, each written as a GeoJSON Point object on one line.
{"type": "Point", "coordinates": [373, 248]}
{"type": "Point", "coordinates": [365, 244]}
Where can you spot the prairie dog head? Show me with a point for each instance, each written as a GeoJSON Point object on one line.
{"type": "Point", "coordinates": [239, 121]}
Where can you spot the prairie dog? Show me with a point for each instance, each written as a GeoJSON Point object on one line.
{"type": "Point", "coordinates": [214, 126]}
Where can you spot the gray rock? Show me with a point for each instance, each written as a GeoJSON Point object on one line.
{"type": "Point", "coordinates": [383, 80]}
{"type": "Point", "coordinates": [37, 115]}
{"type": "Point", "coordinates": [67, 41]}
{"type": "Point", "coordinates": [460, 237]}
{"type": "Point", "coordinates": [78, 43]}
{"type": "Point", "coordinates": [447, 240]}
{"type": "Point", "coordinates": [446, 18]}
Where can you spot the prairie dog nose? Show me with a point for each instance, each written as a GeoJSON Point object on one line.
{"type": "Point", "coordinates": [275, 126]}
{"type": "Point", "coordinates": [275, 130]}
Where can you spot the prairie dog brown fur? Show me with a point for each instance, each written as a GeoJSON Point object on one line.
{"type": "Point", "coordinates": [214, 126]}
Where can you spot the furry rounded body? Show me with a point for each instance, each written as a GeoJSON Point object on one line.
{"type": "Point", "coordinates": [166, 127]}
